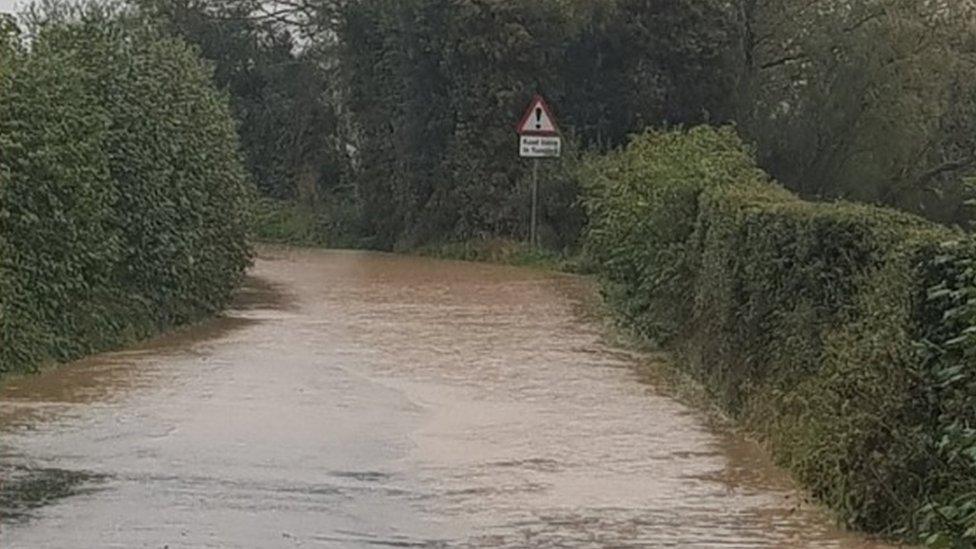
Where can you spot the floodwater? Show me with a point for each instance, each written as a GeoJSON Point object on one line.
{"type": "Point", "coordinates": [369, 400]}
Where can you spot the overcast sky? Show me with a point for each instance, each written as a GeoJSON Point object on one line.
{"type": "Point", "coordinates": [7, 5]}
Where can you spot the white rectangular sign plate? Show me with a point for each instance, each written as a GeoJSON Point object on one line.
{"type": "Point", "coordinates": [540, 147]}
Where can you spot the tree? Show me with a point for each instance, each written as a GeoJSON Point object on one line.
{"type": "Point", "coordinates": [872, 101]}
{"type": "Point", "coordinates": [635, 64]}
{"type": "Point", "coordinates": [279, 89]}
{"type": "Point", "coordinates": [433, 88]}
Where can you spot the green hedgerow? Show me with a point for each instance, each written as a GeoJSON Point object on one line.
{"type": "Point", "coordinates": [124, 206]}
{"type": "Point", "coordinates": [842, 333]}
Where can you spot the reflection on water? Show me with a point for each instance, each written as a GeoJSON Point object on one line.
{"type": "Point", "coordinates": [368, 400]}
{"type": "Point", "coordinates": [23, 489]}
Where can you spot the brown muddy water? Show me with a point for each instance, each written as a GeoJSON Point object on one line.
{"type": "Point", "coordinates": [369, 400]}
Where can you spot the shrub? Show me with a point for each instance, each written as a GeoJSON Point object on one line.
{"type": "Point", "coordinates": [56, 198]}
{"type": "Point", "coordinates": [123, 202]}
{"type": "Point", "coordinates": [642, 205]}
{"type": "Point", "coordinates": [812, 323]}
{"type": "Point", "coordinates": [948, 351]}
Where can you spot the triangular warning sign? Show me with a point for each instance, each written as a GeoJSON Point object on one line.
{"type": "Point", "coordinates": [538, 120]}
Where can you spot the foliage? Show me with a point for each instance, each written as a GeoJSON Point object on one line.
{"type": "Point", "coordinates": [406, 106]}
{"type": "Point", "coordinates": [872, 101]}
{"type": "Point", "coordinates": [123, 202]}
{"type": "Point", "coordinates": [434, 87]}
{"type": "Point", "coordinates": [949, 354]}
{"type": "Point", "coordinates": [55, 206]}
{"type": "Point", "coordinates": [327, 223]}
{"type": "Point", "coordinates": [279, 92]}
{"type": "Point", "coordinates": [639, 232]}
{"type": "Point", "coordinates": [813, 323]}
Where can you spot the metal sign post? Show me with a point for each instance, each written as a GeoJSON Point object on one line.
{"type": "Point", "coordinates": [534, 236]}
{"type": "Point", "coordinates": [539, 138]}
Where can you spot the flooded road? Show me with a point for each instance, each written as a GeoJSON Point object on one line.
{"type": "Point", "coordinates": [367, 400]}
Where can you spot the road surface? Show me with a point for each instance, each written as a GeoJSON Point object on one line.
{"type": "Point", "coordinates": [369, 400]}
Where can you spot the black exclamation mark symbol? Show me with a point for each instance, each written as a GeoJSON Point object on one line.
{"type": "Point", "coordinates": [538, 118]}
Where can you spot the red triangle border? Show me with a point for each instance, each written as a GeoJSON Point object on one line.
{"type": "Point", "coordinates": [537, 99]}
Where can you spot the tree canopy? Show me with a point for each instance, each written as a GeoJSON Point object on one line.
{"type": "Point", "coordinates": [406, 107]}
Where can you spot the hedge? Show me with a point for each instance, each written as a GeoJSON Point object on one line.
{"type": "Point", "coordinates": [843, 334]}
{"type": "Point", "coordinates": [123, 201]}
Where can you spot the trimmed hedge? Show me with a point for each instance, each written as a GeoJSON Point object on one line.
{"type": "Point", "coordinates": [844, 334]}
{"type": "Point", "coordinates": [123, 201]}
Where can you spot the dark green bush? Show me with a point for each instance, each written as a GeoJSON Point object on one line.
{"type": "Point", "coordinates": [949, 370]}
{"type": "Point", "coordinates": [841, 333]}
{"type": "Point", "coordinates": [56, 200]}
{"type": "Point", "coordinates": [641, 232]}
{"type": "Point", "coordinates": [123, 203]}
